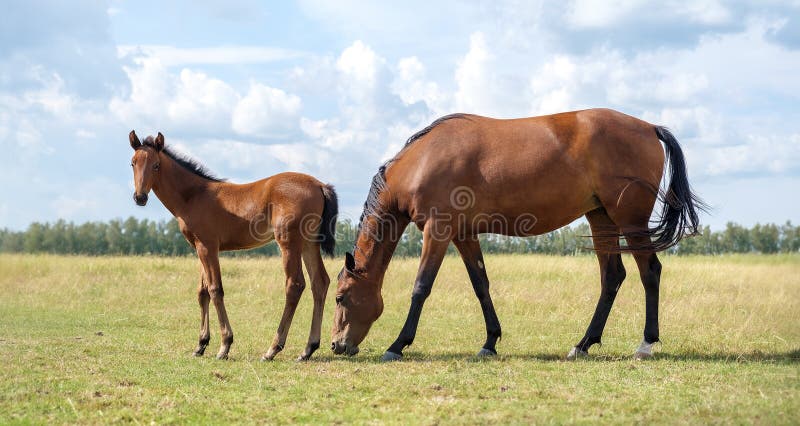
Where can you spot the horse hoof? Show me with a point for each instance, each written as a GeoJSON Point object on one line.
{"type": "Point", "coordinates": [576, 353]}
{"type": "Point", "coordinates": [391, 356]}
{"type": "Point", "coordinates": [222, 355]}
{"type": "Point", "coordinates": [485, 353]}
{"type": "Point", "coordinates": [645, 351]}
{"type": "Point", "coordinates": [271, 353]}
{"type": "Point", "coordinates": [303, 358]}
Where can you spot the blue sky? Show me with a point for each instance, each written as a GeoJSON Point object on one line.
{"type": "Point", "coordinates": [334, 88]}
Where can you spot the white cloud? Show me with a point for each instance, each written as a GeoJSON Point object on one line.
{"type": "Point", "coordinates": [327, 133]}
{"type": "Point", "coordinates": [359, 69]}
{"type": "Point", "coordinates": [758, 154]}
{"type": "Point", "coordinates": [590, 14]}
{"type": "Point", "coordinates": [150, 88]}
{"type": "Point", "coordinates": [472, 77]}
{"type": "Point", "coordinates": [704, 11]}
{"type": "Point", "coordinates": [266, 112]}
{"type": "Point", "coordinates": [554, 86]}
{"type": "Point", "coordinates": [596, 14]}
{"type": "Point", "coordinates": [195, 103]}
{"type": "Point", "coordinates": [411, 85]}
{"type": "Point", "coordinates": [171, 56]}
{"type": "Point", "coordinates": [200, 101]}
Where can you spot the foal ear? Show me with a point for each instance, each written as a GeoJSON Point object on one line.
{"type": "Point", "coordinates": [159, 142]}
{"type": "Point", "coordinates": [349, 262]}
{"type": "Point", "coordinates": [135, 144]}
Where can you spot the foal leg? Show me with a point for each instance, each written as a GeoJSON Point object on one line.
{"type": "Point", "coordinates": [470, 250]}
{"type": "Point", "coordinates": [203, 298]}
{"type": "Point", "coordinates": [209, 257]}
{"type": "Point", "coordinates": [650, 273]}
{"type": "Point", "coordinates": [319, 288]}
{"type": "Point", "coordinates": [433, 250]}
{"type": "Point", "coordinates": [295, 284]}
{"type": "Point", "coordinates": [612, 273]}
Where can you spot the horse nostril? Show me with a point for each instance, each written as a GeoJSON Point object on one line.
{"type": "Point", "coordinates": [333, 346]}
{"type": "Point", "coordinates": [140, 199]}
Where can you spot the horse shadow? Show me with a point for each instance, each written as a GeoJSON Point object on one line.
{"type": "Point", "coordinates": [755, 356]}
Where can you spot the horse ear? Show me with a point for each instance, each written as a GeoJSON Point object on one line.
{"type": "Point", "coordinates": [349, 262]}
{"type": "Point", "coordinates": [135, 144]}
{"type": "Point", "coordinates": [159, 142]}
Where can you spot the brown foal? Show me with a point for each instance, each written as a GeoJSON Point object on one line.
{"type": "Point", "coordinates": [465, 175]}
{"type": "Point", "coordinates": [294, 209]}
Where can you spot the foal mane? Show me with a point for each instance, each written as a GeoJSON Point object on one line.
{"type": "Point", "coordinates": [372, 207]}
{"type": "Point", "coordinates": [190, 164]}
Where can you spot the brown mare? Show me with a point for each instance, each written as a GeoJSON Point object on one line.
{"type": "Point", "coordinates": [464, 175]}
{"type": "Point", "coordinates": [296, 210]}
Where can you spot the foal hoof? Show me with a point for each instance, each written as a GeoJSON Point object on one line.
{"type": "Point", "coordinates": [391, 356]}
{"type": "Point", "coordinates": [485, 353]}
{"type": "Point", "coordinates": [576, 353]}
{"type": "Point", "coordinates": [201, 349]}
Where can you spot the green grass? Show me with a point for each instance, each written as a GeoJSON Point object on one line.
{"type": "Point", "coordinates": [729, 327]}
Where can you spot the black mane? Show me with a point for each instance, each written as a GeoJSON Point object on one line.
{"type": "Point", "coordinates": [372, 204]}
{"type": "Point", "coordinates": [185, 161]}
{"type": "Point", "coordinates": [425, 131]}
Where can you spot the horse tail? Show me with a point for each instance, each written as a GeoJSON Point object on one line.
{"type": "Point", "coordinates": [679, 213]}
{"type": "Point", "coordinates": [327, 227]}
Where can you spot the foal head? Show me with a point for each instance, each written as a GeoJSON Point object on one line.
{"type": "Point", "coordinates": [145, 163]}
{"type": "Point", "coordinates": [358, 305]}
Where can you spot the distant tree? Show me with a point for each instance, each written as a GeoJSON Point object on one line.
{"type": "Point", "coordinates": [765, 238]}
{"type": "Point", "coordinates": [736, 239]}
{"type": "Point", "coordinates": [789, 238]}
{"type": "Point", "coordinates": [133, 236]}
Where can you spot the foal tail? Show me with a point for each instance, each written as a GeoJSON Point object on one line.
{"type": "Point", "coordinates": [679, 216]}
{"type": "Point", "coordinates": [327, 227]}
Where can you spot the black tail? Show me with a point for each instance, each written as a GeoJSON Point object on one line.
{"type": "Point", "coordinates": [679, 215]}
{"type": "Point", "coordinates": [327, 228]}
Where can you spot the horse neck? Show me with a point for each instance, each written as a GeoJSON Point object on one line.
{"type": "Point", "coordinates": [176, 186]}
{"type": "Point", "coordinates": [376, 242]}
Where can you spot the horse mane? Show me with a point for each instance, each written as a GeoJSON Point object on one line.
{"type": "Point", "coordinates": [372, 207]}
{"type": "Point", "coordinates": [190, 164]}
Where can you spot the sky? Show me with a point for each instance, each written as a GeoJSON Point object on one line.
{"type": "Point", "coordinates": [334, 88]}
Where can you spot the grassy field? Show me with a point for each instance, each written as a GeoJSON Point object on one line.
{"type": "Point", "coordinates": [99, 340]}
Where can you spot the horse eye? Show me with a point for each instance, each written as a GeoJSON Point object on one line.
{"type": "Point", "coordinates": [339, 299]}
{"type": "Point", "coordinates": [156, 166]}
{"type": "Point", "coordinates": [131, 163]}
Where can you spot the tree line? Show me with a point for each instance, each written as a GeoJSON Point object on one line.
{"type": "Point", "coordinates": [163, 238]}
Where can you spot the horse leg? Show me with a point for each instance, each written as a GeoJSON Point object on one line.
{"type": "Point", "coordinates": [319, 288]}
{"type": "Point", "coordinates": [612, 272]}
{"type": "Point", "coordinates": [470, 250]}
{"type": "Point", "coordinates": [295, 284]}
{"type": "Point", "coordinates": [433, 250]}
{"type": "Point", "coordinates": [209, 257]}
{"type": "Point", "coordinates": [650, 273]}
{"type": "Point", "coordinates": [203, 298]}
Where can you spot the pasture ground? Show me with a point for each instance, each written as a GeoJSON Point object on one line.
{"type": "Point", "coordinates": [99, 340]}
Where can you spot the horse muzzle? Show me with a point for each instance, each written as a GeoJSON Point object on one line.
{"type": "Point", "coordinates": [140, 199]}
{"type": "Point", "coordinates": [343, 348]}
